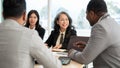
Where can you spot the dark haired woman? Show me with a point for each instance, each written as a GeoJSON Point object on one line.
{"type": "Point", "coordinates": [33, 22]}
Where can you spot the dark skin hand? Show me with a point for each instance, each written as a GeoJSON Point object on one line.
{"type": "Point", "coordinates": [80, 44]}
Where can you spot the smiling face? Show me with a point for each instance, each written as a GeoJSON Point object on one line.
{"type": "Point", "coordinates": [33, 19]}
{"type": "Point", "coordinates": [63, 22]}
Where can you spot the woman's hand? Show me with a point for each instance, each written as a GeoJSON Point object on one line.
{"type": "Point", "coordinates": [46, 45]}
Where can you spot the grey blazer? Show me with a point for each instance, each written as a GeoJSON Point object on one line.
{"type": "Point", "coordinates": [103, 47]}
{"type": "Point", "coordinates": [20, 46]}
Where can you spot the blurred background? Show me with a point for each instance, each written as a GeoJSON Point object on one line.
{"type": "Point", "coordinates": [75, 8]}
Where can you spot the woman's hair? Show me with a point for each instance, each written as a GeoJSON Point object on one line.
{"type": "Point", "coordinates": [28, 16]}
{"type": "Point", "coordinates": [57, 27]}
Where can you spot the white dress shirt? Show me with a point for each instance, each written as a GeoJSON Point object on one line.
{"type": "Point", "coordinates": [58, 39]}
{"type": "Point", "coordinates": [19, 46]}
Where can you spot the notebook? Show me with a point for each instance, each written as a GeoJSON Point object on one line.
{"type": "Point", "coordinates": [74, 39]}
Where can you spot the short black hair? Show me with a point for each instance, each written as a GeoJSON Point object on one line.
{"type": "Point", "coordinates": [97, 6]}
{"type": "Point", "coordinates": [13, 8]}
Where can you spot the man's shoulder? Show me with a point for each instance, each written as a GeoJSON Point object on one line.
{"type": "Point", "coordinates": [29, 31]}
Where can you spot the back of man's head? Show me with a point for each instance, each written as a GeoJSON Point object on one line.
{"type": "Point", "coordinates": [13, 8]}
{"type": "Point", "coordinates": [98, 6]}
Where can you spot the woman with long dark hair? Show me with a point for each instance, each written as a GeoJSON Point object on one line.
{"type": "Point", "coordinates": [33, 22]}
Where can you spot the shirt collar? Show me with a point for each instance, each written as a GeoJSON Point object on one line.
{"type": "Point", "coordinates": [63, 32]}
{"type": "Point", "coordinates": [103, 17]}
{"type": "Point", "coordinates": [32, 29]}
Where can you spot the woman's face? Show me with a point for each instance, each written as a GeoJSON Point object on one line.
{"type": "Point", "coordinates": [33, 19]}
{"type": "Point", "coordinates": [63, 22]}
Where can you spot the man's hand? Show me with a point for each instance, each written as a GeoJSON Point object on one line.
{"type": "Point", "coordinates": [80, 44]}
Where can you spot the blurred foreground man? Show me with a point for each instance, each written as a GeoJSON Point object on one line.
{"type": "Point", "coordinates": [20, 46]}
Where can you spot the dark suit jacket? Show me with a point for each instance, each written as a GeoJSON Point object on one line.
{"type": "Point", "coordinates": [51, 41]}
